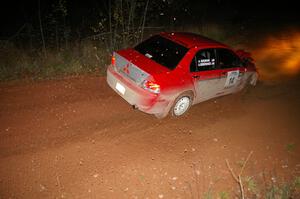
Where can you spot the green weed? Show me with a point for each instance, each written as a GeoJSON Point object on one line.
{"type": "Point", "coordinates": [208, 194]}
{"type": "Point", "coordinates": [251, 185]}
{"type": "Point", "coordinates": [297, 182]}
{"type": "Point", "coordinates": [290, 147]}
{"type": "Point", "coordinates": [224, 195]}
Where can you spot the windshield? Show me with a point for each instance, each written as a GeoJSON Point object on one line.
{"type": "Point", "coordinates": [162, 51]}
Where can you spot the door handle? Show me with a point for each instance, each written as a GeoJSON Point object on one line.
{"type": "Point", "coordinates": [196, 76]}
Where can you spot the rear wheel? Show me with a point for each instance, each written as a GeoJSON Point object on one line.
{"type": "Point", "coordinates": [181, 105]}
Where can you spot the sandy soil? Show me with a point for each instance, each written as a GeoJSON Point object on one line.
{"type": "Point", "coordinates": [76, 138]}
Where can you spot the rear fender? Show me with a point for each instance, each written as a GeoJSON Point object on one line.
{"type": "Point", "coordinates": [171, 99]}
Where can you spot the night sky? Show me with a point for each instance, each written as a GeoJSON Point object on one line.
{"type": "Point", "coordinates": [270, 13]}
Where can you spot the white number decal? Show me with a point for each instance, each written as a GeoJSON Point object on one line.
{"type": "Point", "coordinates": [232, 77]}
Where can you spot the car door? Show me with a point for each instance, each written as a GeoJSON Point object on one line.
{"type": "Point", "coordinates": [231, 71]}
{"type": "Point", "coordinates": [205, 75]}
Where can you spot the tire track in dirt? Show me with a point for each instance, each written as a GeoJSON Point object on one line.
{"type": "Point", "coordinates": [76, 138]}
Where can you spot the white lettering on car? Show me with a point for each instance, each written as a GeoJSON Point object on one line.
{"type": "Point", "coordinates": [206, 62]}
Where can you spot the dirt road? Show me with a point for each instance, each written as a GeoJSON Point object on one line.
{"type": "Point", "coordinates": [76, 138]}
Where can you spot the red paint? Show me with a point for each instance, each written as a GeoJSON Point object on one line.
{"type": "Point", "coordinates": [142, 61]}
{"type": "Point", "coordinates": [191, 40]}
{"type": "Point", "coordinates": [171, 83]}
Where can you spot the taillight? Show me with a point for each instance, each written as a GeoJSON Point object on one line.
{"type": "Point", "coordinates": [113, 60]}
{"type": "Point", "coordinates": [151, 86]}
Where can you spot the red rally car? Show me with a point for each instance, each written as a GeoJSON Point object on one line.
{"type": "Point", "coordinates": [169, 72]}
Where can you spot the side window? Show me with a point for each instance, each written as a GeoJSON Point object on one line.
{"type": "Point", "coordinates": [227, 59]}
{"type": "Point", "coordinates": [204, 60]}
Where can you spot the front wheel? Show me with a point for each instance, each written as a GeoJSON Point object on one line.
{"type": "Point", "coordinates": [181, 105]}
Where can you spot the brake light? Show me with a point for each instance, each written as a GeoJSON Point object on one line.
{"type": "Point", "coordinates": [151, 86]}
{"type": "Point", "coordinates": [113, 60]}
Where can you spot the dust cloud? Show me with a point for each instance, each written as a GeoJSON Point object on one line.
{"type": "Point", "coordinates": [278, 56]}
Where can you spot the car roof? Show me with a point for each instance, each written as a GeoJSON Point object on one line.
{"type": "Point", "coordinates": [191, 40]}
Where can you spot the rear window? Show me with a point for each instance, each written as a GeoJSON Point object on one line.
{"type": "Point", "coordinates": [162, 51]}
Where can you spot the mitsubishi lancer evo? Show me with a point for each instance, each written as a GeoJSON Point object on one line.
{"type": "Point", "coordinates": [170, 72]}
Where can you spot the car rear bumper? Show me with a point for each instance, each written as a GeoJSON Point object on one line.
{"type": "Point", "coordinates": [135, 95]}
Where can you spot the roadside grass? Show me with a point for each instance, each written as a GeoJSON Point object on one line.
{"type": "Point", "coordinates": [268, 189]}
{"type": "Point", "coordinates": [16, 63]}
{"type": "Point", "coordinates": [255, 190]}
{"type": "Point", "coordinates": [261, 185]}
{"type": "Point", "coordinates": [284, 190]}
{"type": "Point", "coordinates": [88, 56]}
